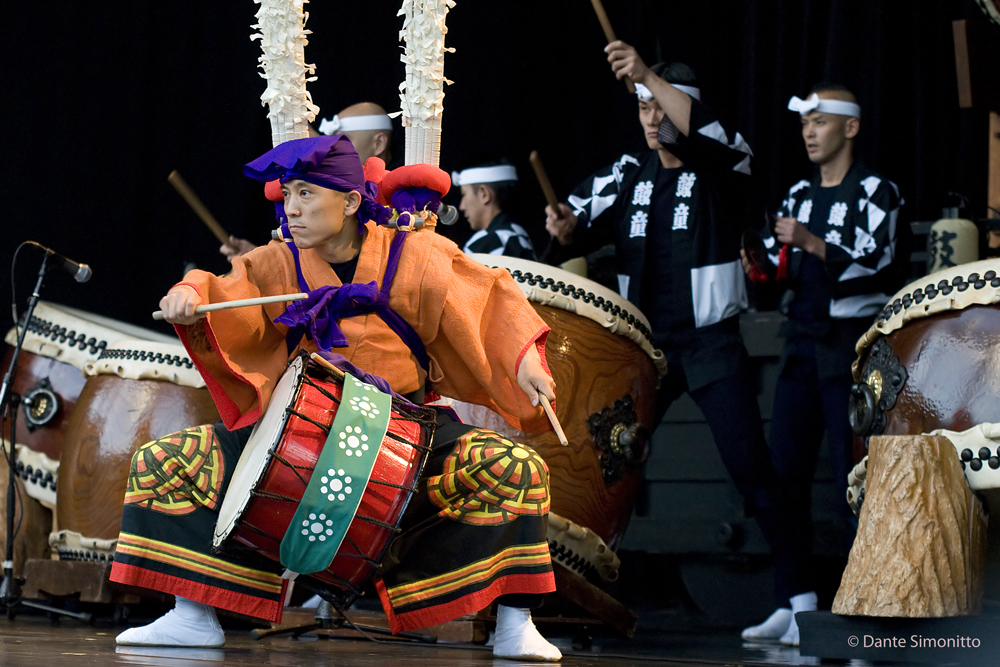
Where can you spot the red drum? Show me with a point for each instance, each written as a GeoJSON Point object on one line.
{"type": "Point", "coordinates": [59, 344]}
{"type": "Point", "coordinates": [278, 461]}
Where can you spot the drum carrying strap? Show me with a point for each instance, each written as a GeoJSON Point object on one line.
{"type": "Point", "coordinates": [342, 472]}
{"type": "Point", "coordinates": [316, 316]}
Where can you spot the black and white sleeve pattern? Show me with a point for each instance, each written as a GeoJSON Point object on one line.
{"type": "Point", "coordinates": [860, 260]}
{"type": "Point", "coordinates": [593, 204]}
{"type": "Point", "coordinates": [512, 241]}
{"type": "Point", "coordinates": [709, 145]}
{"type": "Point", "coordinates": [790, 207]}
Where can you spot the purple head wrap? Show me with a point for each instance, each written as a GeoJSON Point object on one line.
{"type": "Point", "coordinates": [329, 162]}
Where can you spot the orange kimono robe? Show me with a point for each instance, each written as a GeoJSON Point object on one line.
{"type": "Point", "coordinates": [475, 323]}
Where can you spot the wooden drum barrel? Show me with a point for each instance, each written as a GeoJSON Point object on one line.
{"type": "Point", "coordinates": [932, 360]}
{"type": "Point", "coordinates": [605, 368]}
{"type": "Point", "coordinates": [136, 391]}
{"type": "Point", "coordinates": [59, 344]}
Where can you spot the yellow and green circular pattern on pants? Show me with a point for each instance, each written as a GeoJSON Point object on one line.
{"type": "Point", "coordinates": [489, 480]}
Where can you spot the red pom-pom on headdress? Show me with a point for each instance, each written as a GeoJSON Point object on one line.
{"type": "Point", "coordinates": [412, 175]}
{"type": "Point", "coordinates": [272, 190]}
{"type": "Point", "coordinates": [375, 171]}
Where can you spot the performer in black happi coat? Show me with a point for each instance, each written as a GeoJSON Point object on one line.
{"type": "Point", "coordinates": [837, 248]}
{"type": "Point", "coordinates": [486, 194]}
{"type": "Point", "coordinates": [674, 216]}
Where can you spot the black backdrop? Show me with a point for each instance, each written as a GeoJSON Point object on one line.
{"type": "Point", "coordinates": [102, 100]}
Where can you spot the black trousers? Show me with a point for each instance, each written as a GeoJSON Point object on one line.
{"type": "Point", "coordinates": [731, 410]}
{"type": "Point", "coordinates": [806, 408]}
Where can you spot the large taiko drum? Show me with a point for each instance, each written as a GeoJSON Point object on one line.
{"type": "Point", "coordinates": [932, 359]}
{"type": "Point", "coordinates": [280, 458]}
{"type": "Point", "coordinates": [60, 342]}
{"type": "Point", "coordinates": [601, 356]}
{"type": "Point", "coordinates": [136, 391]}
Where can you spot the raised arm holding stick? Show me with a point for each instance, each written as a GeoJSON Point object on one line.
{"type": "Point", "coordinates": [672, 212]}
{"type": "Point", "coordinates": [202, 212]}
{"type": "Point", "coordinates": [609, 34]}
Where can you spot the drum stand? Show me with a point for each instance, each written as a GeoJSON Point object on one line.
{"type": "Point", "coordinates": [326, 620]}
{"type": "Point", "coordinates": [10, 588]}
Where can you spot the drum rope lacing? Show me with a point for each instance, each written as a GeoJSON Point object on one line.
{"type": "Point", "coordinates": [276, 496]}
{"type": "Point", "coordinates": [147, 356]}
{"type": "Point", "coordinates": [347, 584]}
{"type": "Point", "coordinates": [943, 287]}
{"type": "Point", "coordinates": [52, 331]}
{"type": "Point", "coordinates": [587, 297]}
{"type": "Point", "coordinates": [306, 418]}
{"type": "Point", "coordinates": [293, 468]}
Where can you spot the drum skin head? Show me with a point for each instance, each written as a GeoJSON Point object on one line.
{"type": "Point", "coordinates": [257, 453]}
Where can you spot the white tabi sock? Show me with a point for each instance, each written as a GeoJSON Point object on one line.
{"type": "Point", "coordinates": [774, 627]}
{"type": "Point", "coordinates": [801, 602]}
{"type": "Point", "coordinates": [517, 637]}
{"type": "Point", "coordinates": [189, 623]}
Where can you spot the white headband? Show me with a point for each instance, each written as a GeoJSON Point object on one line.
{"type": "Point", "coordinates": [644, 94]}
{"type": "Point", "coordinates": [814, 103]}
{"type": "Point", "coordinates": [476, 175]}
{"type": "Point", "coordinates": [337, 124]}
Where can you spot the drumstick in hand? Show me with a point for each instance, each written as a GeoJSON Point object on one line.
{"type": "Point", "coordinates": [556, 426]}
{"type": "Point", "coordinates": [240, 303]}
{"type": "Point", "coordinates": [195, 203]}
{"type": "Point", "coordinates": [543, 181]}
{"type": "Point", "coordinates": [550, 194]}
{"type": "Point", "coordinates": [609, 34]}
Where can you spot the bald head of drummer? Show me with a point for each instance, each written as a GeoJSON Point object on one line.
{"type": "Point", "coordinates": [367, 126]}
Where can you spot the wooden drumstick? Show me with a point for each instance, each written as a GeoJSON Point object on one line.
{"type": "Point", "coordinates": [240, 303]}
{"type": "Point", "coordinates": [609, 34]}
{"type": "Point", "coordinates": [543, 181]}
{"type": "Point", "coordinates": [327, 365]}
{"type": "Point", "coordinates": [192, 199]}
{"type": "Point", "coordinates": [556, 426]}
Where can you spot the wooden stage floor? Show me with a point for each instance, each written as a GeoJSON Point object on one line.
{"type": "Point", "coordinates": [33, 640]}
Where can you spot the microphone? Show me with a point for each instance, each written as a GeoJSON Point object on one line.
{"type": "Point", "coordinates": [81, 272]}
{"type": "Point", "coordinates": [447, 215]}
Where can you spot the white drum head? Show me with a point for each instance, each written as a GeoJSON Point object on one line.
{"type": "Point", "coordinates": [257, 454]}
{"type": "Point", "coordinates": [549, 286]}
{"type": "Point", "coordinates": [77, 337]}
{"type": "Point", "coordinates": [147, 360]}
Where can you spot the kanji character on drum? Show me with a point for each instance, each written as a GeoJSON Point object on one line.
{"type": "Point", "coordinates": [408, 308]}
{"type": "Point", "coordinates": [835, 248]}
{"type": "Point", "coordinates": [486, 191]}
{"type": "Point", "coordinates": [674, 216]}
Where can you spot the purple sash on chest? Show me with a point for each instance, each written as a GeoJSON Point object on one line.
{"type": "Point", "coordinates": [317, 316]}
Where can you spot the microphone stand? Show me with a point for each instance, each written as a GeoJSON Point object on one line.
{"type": "Point", "coordinates": [10, 588]}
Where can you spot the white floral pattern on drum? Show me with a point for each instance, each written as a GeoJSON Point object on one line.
{"type": "Point", "coordinates": [329, 504]}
